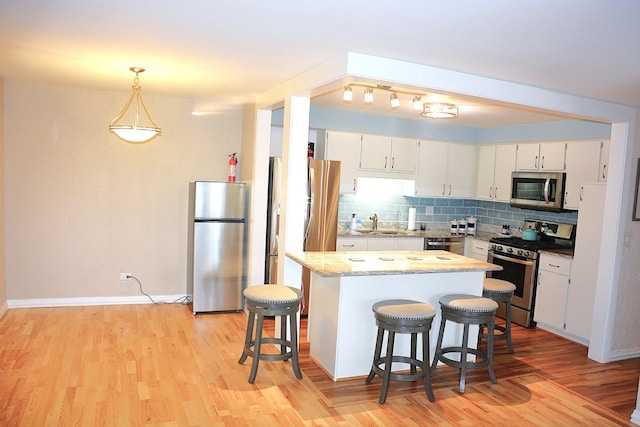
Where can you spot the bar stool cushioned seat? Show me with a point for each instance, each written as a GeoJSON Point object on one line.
{"type": "Point", "coordinates": [468, 310]}
{"type": "Point", "coordinates": [500, 291]}
{"type": "Point", "coordinates": [271, 300]}
{"type": "Point", "coordinates": [403, 317]}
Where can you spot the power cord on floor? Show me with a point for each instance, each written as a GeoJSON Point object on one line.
{"type": "Point", "coordinates": [182, 300]}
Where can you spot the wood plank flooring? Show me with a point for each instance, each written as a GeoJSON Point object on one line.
{"type": "Point", "coordinates": [160, 365]}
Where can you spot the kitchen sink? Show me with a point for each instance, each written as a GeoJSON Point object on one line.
{"type": "Point", "coordinates": [378, 232]}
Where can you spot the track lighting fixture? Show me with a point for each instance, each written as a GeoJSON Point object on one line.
{"type": "Point", "coordinates": [433, 110]}
{"type": "Point", "coordinates": [393, 99]}
{"type": "Point", "coordinates": [368, 95]}
{"type": "Point", "coordinates": [347, 95]}
{"type": "Point", "coordinates": [417, 104]}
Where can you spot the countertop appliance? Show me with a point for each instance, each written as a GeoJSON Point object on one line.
{"type": "Point", "coordinates": [538, 190]}
{"type": "Point", "coordinates": [519, 260]}
{"type": "Point", "coordinates": [217, 245]}
{"type": "Point", "coordinates": [321, 223]}
{"type": "Point", "coordinates": [273, 220]}
{"type": "Point", "coordinates": [454, 244]}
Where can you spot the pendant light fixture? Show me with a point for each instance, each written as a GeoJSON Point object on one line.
{"type": "Point", "coordinates": [394, 101]}
{"type": "Point", "coordinates": [135, 132]}
{"type": "Point", "coordinates": [368, 95]}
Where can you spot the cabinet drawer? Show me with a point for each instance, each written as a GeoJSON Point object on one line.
{"type": "Point", "coordinates": [555, 264]}
{"type": "Point", "coordinates": [346, 244]}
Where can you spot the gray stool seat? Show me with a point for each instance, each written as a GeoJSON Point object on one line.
{"type": "Point", "coordinates": [403, 317]}
{"type": "Point", "coordinates": [271, 300]}
{"type": "Point", "coordinates": [501, 292]}
{"type": "Point", "coordinates": [467, 310]}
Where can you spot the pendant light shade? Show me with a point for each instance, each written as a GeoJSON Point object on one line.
{"type": "Point", "coordinates": [347, 95]}
{"type": "Point", "coordinates": [136, 131]}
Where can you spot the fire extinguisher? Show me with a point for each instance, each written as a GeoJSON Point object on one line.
{"type": "Point", "coordinates": [232, 167]}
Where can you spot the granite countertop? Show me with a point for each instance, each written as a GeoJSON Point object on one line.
{"type": "Point", "coordinates": [386, 233]}
{"type": "Point", "coordinates": [372, 263]}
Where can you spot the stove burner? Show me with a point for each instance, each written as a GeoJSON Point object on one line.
{"type": "Point", "coordinates": [517, 242]}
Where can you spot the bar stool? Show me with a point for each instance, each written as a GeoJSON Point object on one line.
{"type": "Point", "coordinates": [468, 310]}
{"type": "Point", "coordinates": [500, 291]}
{"type": "Point", "coordinates": [403, 317]}
{"type": "Point", "coordinates": [271, 300]}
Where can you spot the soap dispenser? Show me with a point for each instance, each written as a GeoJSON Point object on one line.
{"type": "Point", "coordinates": [353, 225]}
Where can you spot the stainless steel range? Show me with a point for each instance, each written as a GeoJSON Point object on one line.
{"type": "Point", "coordinates": [519, 260]}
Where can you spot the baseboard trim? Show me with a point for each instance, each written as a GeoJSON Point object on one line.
{"type": "Point", "coordinates": [74, 302]}
{"type": "Point", "coordinates": [3, 308]}
{"type": "Point", "coordinates": [624, 354]}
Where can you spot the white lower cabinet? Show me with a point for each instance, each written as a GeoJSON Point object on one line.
{"type": "Point", "coordinates": [380, 244]}
{"type": "Point", "coordinates": [476, 248]}
{"type": "Point", "coordinates": [552, 290]}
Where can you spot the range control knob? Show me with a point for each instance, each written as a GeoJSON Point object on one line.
{"type": "Point", "coordinates": [510, 250]}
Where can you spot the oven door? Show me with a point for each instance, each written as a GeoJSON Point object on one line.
{"type": "Point", "coordinates": [520, 272]}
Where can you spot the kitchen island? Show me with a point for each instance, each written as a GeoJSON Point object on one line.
{"type": "Point", "coordinates": [344, 286]}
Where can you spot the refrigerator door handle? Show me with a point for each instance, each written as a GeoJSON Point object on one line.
{"type": "Point", "coordinates": [310, 205]}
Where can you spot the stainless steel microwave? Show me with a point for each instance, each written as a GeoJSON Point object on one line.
{"type": "Point", "coordinates": [538, 190]}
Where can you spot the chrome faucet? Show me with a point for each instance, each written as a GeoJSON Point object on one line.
{"type": "Point", "coordinates": [374, 218]}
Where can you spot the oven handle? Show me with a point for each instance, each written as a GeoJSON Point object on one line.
{"type": "Point", "coordinates": [513, 260]}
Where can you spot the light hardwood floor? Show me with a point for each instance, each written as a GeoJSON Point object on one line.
{"type": "Point", "coordinates": [160, 365]}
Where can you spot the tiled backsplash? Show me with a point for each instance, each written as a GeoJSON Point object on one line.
{"type": "Point", "coordinates": [393, 212]}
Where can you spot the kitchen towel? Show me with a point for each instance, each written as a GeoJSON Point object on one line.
{"type": "Point", "coordinates": [412, 219]}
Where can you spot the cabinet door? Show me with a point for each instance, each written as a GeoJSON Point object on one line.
{"type": "Point", "coordinates": [345, 146]}
{"type": "Point", "coordinates": [410, 244]}
{"type": "Point", "coordinates": [485, 171]}
{"type": "Point", "coordinates": [404, 155]}
{"type": "Point", "coordinates": [505, 164]}
{"type": "Point", "coordinates": [348, 244]}
{"type": "Point", "coordinates": [583, 160]}
{"type": "Point", "coordinates": [584, 272]}
{"type": "Point", "coordinates": [551, 299]}
{"type": "Point", "coordinates": [552, 156]}
{"type": "Point", "coordinates": [476, 248]}
{"type": "Point", "coordinates": [431, 175]}
{"type": "Point", "coordinates": [528, 157]}
{"type": "Point", "coordinates": [375, 152]}
{"type": "Point", "coordinates": [461, 170]}
{"type": "Point", "coordinates": [382, 244]}
{"type": "Point", "coordinates": [604, 161]}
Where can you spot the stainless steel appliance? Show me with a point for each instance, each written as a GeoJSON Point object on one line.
{"type": "Point", "coordinates": [538, 190]}
{"type": "Point", "coordinates": [273, 220]}
{"type": "Point", "coordinates": [519, 260]}
{"type": "Point", "coordinates": [217, 245]}
{"type": "Point", "coordinates": [321, 224]}
{"type": "Point", "coordinates": [452, 244]}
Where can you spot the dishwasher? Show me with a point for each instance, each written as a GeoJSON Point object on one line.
{"type": "Point", "coordinates": [453, 244]}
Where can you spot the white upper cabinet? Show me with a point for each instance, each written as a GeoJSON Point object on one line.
{"type": "Point", "coordinates": [604, 162]}
{"type": "Point", "coordinates": [583, 165]}
{"type": "Point", "coordinates": [543, 156]}
{"type": "Point", "coordinates": [495, 164]}
{"type": "Point", "coordinates": [446, 170]}
{"type": "Point", "coordinates": [384, 153]}
{"type": "Point", "coordinates": [345, 146]}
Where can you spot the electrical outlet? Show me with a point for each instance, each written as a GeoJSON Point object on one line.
{"type": "Point", "coordinates": [428, 210]}
{"type": "Point", "coordinates": [125, 276]}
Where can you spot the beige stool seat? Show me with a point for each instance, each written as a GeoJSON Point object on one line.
{"type": "Point", "coordinates": [501, 291]}
{"type": "Point", "coordinates": [271, 300]}
{"type": "Point", "coordinates": [467, 310]}
{"type": "Point", "coordinates": [403, 317]}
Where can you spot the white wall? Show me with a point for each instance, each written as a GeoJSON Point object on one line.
{"type": "Point", "coordinates": [81, 205]}
{"type": "Point", "coordinates": [3, 283]}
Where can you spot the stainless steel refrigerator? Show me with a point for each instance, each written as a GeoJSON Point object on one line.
{"type": "Point", "coordinates": [321, 225]}
{"type": "Point", "coordinates": [273, 220]}
{"type": "Point", "coordinates": [217, 245]}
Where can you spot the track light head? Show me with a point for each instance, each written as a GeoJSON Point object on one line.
{"type": "Point", "coordinates": [393, 99]}
{"type": "Point", "coordinates": [347, 95]}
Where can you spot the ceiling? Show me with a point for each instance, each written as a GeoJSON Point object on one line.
{"type": "Point", "coordinates": [223, 53]}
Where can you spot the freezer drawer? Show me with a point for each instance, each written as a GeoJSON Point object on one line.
{"type": "Point", "coordinates": [218, 266]}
